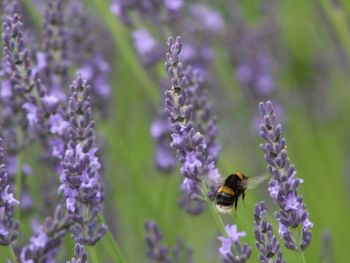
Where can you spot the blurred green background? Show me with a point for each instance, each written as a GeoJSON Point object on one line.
{"type": "Point", "coordinates": [313, 78]}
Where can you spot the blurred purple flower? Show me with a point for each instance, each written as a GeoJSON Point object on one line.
{"type": "Point", "coordinates": [283, 184]}
{"type": "Point", "coordinates": [207, 18]}
{"type": "Point", "coordinates": [89, 54]}
{"type": "Point", "coordinates": [54, 60]}
{"type": "Point", "coordinates": [231, 251]}
{"type": "Point", "coordinates": [326, 251]}
{"type": "Point", "coordinates": [57, 124]}
{"type": "Point", "coordinates": [149, 51]}
{"type": "Point", "coordinates": [156, 252]}
{"type": "Point", "coordinates": [173, 5]}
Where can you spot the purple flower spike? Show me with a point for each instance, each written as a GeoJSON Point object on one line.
{"type": "Point", "coordinates": [146, 46]}
{"type": "Point", "coordinates": [156, 252]}
{"type": "Point", "coordinates": [266, 242]}
{"type": "Point", "coordinates": [283, 184]}
{"type": "Point", "coordinates": [44, 243]}
{"type": "Point", "coordinates": [54, 59]}
{"type": "Point", "coordinates": [80, 179]}
{"type": "Point", "coordinates": [8, 226]}
{"type": "Point", "coordinates": [197, 165]}
{"type": "Point", "coordinates": [161, 131]}
{"type": "Point", "coordinates": [231, 251]}
{"type": "Point", "coordinates": [16, 62]}
{"type": "Point", "coordinates": [79, 254]}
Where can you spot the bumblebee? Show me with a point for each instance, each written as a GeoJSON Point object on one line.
{"type": "Point", "coordinates": [233, 188]}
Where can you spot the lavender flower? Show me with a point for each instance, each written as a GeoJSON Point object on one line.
{"type": "Point", "coordinates": [203, 117]}
{"type": "Point", "coordinates": [54, 57]}
{"type": "Point", "coordinates": [157, 11]}
{"type": "Point", "coordinates": [80, 178]}
{"type": "Point", "coordinates": [161, 131]}
{"type": "Point", "coordinates": [197, 166]}
{"type": "Point", "coordinates": [206, 19]}
{"type": "Point", "coordinates": [266, 241]}
{"type": "Point", "coordinates": [79, 254]}
{"type": "Point", "coordinates": [8, 226]}
{"type": "Point", "coordinates": [47, 238]}
{"type": "Point", "coordinates": [149, 51]}
{"type": "Point", "coordinates": [231, 251]}
{"type": "Point", "coordinates": [20, 82]}
{"type": "Point", "coordinates": [16, 62]}
{"type": "Point", "coordinates": [283, 184]}
{"type": "Point", "coordinates": [156, 252]}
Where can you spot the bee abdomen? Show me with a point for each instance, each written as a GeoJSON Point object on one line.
{"type": "Point", "coordinates": [224, 199]}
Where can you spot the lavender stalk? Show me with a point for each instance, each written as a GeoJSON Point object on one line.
{"type": "Point", "coordinates": [197, 166]}
{"type": "Point", "coordinates": [266, 241]}
{"type": "Point", "coordinates": [156, 252]}
{"type": "Point", "coordinates": [54, 59]}
{"type": "Point", "coordinates": [283, 184]}
{"type": "Point", "coordinates": [80, 178]}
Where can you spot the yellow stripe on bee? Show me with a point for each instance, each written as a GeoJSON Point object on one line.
{"type": "Point", "coordinates": [226, 190]}
{"type": "Point", "coordinates": [240, 176]}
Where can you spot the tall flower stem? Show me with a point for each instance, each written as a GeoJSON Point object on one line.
{"type": "Point", "coordinates": [12, 253]}
{"type": "Point", "coordinates": [337, 18]}
{"type": "Point", "coordinates": [112, 246]}
{"type": "Point", "coordinates": [92, 255]}
{"type": "Point", "coordinates": [214, 212]}
{"type": "Point", "coordinates": [300, 251]}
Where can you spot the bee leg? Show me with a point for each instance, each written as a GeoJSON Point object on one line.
{"type": "Point", "coordinates": [243, 195]}
{"type": "Point", "coordinates": [236, 203]}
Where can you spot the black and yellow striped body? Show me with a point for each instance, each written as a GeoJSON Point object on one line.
{"type": "Point", "coordinates": [229, 193]}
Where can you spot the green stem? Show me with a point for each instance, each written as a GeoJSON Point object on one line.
{"type": "Point", "coordinates": [18, 184]}
{"type": "Point", "coordinates": [300, 251]}
{"type": "Point", "coordinates": [111, 245]}
{"type": "Point", "coordinates": [214, 212]}
{"type": "Point", "coordinates": [92, 255]}
{"type": "Point", "coordinates": [33, 13]}
{"type": "Point", "coordinates": [217, 217]}
{"type": "Point", "coordinates": [120, 35]}
{"type": "Point", "coordinates": [12, 254]}
{"type": "Point", "coordinates": [337, 19]}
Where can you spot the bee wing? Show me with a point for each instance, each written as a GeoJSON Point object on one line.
{"type": "Point", "coordinates": [255, 180]}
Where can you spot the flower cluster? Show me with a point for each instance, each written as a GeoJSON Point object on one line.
{"type": "Point", "coordinates": [266, 241]}
{"type": "Point", "coordinates": [47, 238]}
{"type": "Point", "coordinates": [156, 252]}
{"type": "Point", "coordinates": [197, 166]}
{"type": "Point", "coordinates": [283, 184]}
{"type": "Point", "coordinates": [54, 60]}
{"type": "Point", "coordinates": [20, 80]}
{"type": "Point", "coordinates": [79, 254]}
{"type": "Point", "coordinates": [80, 178]}
{"type": "Point", "coordinates": [157, 11]}
{"type": "Point", "coordinates": [8, 226]}
{"type": "Point", "coordinates": [231, 251]}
